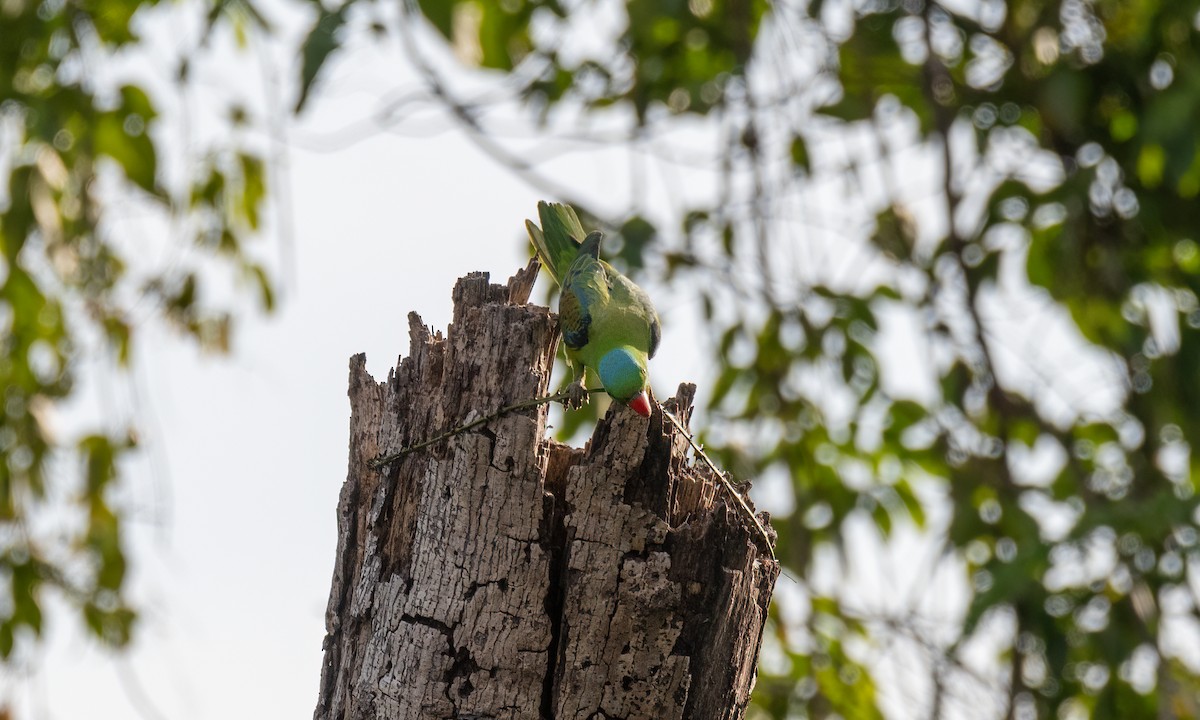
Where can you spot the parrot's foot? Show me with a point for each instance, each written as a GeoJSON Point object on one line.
{"type": "Point", "coordinates": [577, 396]}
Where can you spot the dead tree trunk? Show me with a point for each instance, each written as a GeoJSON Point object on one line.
{"type": "Point", "coordinates": [499, 574]}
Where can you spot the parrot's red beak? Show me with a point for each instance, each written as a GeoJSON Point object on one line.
{"type": "Point", "coordinates": [640, 404]}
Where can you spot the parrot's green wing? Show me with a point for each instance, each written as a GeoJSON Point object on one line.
{"type": "Point", "coordinates": [557, 240]}
{"type": "Point", "coordinates": [584, 288]}
{"type": "Point", "coordinates": [575, 319]}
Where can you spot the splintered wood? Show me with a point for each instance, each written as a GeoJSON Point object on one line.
{"type": "Point", "coordinates": [500, 574]}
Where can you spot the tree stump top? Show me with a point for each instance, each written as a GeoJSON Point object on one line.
{"type": "Point", "coordinates": [501, 574]}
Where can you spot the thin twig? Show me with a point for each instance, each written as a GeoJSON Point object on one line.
{"type": "Point", "coordinates": [559, 397]}
{"type": "Point", "coordinates": [520, 405]}
{"type": "Point", "coordinates": [729, 488]}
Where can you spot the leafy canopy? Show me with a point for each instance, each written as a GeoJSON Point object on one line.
{"type": "Point", "coordinates": [75, 145]}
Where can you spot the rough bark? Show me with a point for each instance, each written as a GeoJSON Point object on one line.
{"type": "Point", "coordinates": [500, 574]}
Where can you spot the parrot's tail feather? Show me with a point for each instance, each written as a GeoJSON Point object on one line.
{"type": "Point", "coordinates": [557, 240]}
{"type": "Point", "coordinates": [543, 253]}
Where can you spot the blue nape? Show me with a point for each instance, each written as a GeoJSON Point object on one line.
{"type": "Point", "coordinates": [621, 374]}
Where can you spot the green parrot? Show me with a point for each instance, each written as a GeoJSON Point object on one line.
{"type": "Point", "coordinates": [608, 323]}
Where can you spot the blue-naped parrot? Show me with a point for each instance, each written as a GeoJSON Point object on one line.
{"type": "Point", "coordinates": [608, 322]}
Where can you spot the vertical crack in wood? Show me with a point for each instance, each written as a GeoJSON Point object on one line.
{"type": "Point", "coordinates": [553, 535]}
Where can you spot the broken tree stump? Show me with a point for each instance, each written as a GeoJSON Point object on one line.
{"type": "Point", "coordinates": [500, 574]}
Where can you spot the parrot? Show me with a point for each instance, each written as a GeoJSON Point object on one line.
{"type": "Point", "coordinates": [608, 323]}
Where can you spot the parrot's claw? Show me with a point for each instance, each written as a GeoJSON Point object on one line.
{"type": "Point", "coordinates": [577, 396]}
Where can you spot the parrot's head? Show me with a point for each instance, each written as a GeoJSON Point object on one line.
{"type": "Point", "coordinates": [623, 373]}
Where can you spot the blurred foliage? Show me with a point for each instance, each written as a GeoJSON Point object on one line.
{"type": "Point", "coordinates": [74, 142]}
{"type": "Point", "coordinates": [1065, 135]}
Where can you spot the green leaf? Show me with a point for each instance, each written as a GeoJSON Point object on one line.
{"type": "Point", "coordinates": [894, 233]}
{"type": "Point", "coordinates": [636, 234]}
{"type": "Point", "coordinates": [265, 288]}
{"type": "Point", "coordinates": [25, 581]}
{"type": "Point", "coordinates": [800, 154]}
{"type": "Point", "coordinates": [254, 188]}
{"type": "Point", "coordinates": [320, 43]}
{"type": "Point", "coordinates": [725, 382]}
{"type": "Point", "coordinates": [440, 14]}
{"type": "Point", "coordinates": [134, 153]}
{"type": "Point", "coordinates": [134, 100]}
{"type": "Point", "coordinates": [113, 626]}
{"type": "Point", "coordinates": [883, 519]}
{"type": "Point", "coordinates": [916, 511]}
{"type": "Point", "coordinates": [113, 21]}
{"type": "Point", "coordinates": [906, 413]}
{"type": "Point", "coordinates": [503, 36]}
{"type": "Point", "coordinates": [100, 457]}
{"type": "Point", "coordinates": [1151, 162]}
{"type": "Point", "coordinates": [118, 332]}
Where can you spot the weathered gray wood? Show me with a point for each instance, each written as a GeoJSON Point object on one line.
{"type": "Point", "coordinates": [503, 575]}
